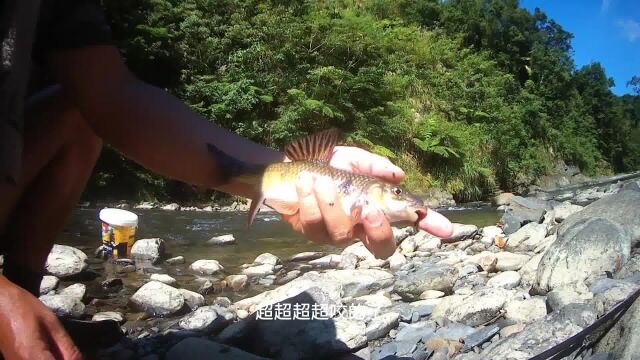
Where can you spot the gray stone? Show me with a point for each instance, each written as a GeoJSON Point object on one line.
{"type": "Point", "coordinates": [259, 270]}
{"type": "Point", "coordinates": [359, 250]}
{"type": "Point", "coordinates": [64, 261]}
{"type": "Point", "coordinates": [489, 234]}
{"type": "Point", "coordinates": [348, 261]}
{"type": "Point", "coordinates": [431, 294]}
{"type": "Point", "coordinates": [327, 262]}
{"type": "Point", "coordinates": [381, 325]}
{"type": "Point", "coordinates": [266, 259]}
{"type": "Point", "coordinates": [237, 282]}
{"type": "Point", "coordinates": [63, 305]}
{"type": "Point", "coordinates": [461, 232]}
{"type": "Point", "coordinates": [412, 285]}
{"type": "Point", "coordinates": [565, 210]}
{"type": "Point", "coordinates": [401, 234]}
{"type": "Point", "coordinates": [529, 271]}
{"type": "Point", "coordinates": [425, 241]}
{"type": "Point", "coordinates": [565, 295]}
{"type": "Point", "coordinates": [510, 261]}
{"type": "Point", "coordinates": [479, 337]}
{"type": "Point", "coordinates": [413, 333]}
{"type": "Point", "coordinates": [206, 267]}
{"type": "Point", "coordinates": [192, 299]}
{"type": "Point", "coordinates": [306, 256]}
{"type": "Point", "coordinates": [526, 311]}
{"type": "Point", "coordinates": [76, 291]}
{"type": "Point", "coordinates": [108, 315]}
{"type": "Point", "coordinates": [203, 319]}
{"type": "Point", "coordinates": [472, 310]}
{"type": "Point", "coordinates": [454, 331]}
{"type": "Point", "coordinates": [506, 280]}
{"type": "Point", "coordinates": [48, 283]}
{"type": "Point", "coordinates": [397, 261]}
{"type": "Point", "coordinates": [522, 211]}
{"type": "Point", "coordinates": [542, 335]}
{"type": "Point", "coordinates": [158, 299]}
{"type": "Point", "coordinates": [527, 237]}
{"type": "Point", "coordinates": [163, 278]}
{"type": "Point", "coordinates": [222, 240]}
{"type": "Point", "coordinates": [198, 348]}
{"type": "Point", "coordinates": [175, 260]}
{"type": "Point", "coordinates": [149, 250]}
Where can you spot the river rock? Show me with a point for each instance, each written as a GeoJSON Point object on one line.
{"type": "Point", "coordinates": [171, 207]}
{"type": "Point", "coordinates": [527, 237]}
{"type": "Point", "coordinates": [327, 262]}
{"type": "Point", "coordinates": [454, 331]}
{"type": "Point", "coordinates": [175, 260]}
{"type": "Point", "coordinates": [150, 250]}
{"type": "Point", "coordinates": [158, 299]}
{"type": "Point", "coordinates": [539, 336]}
{"type": "Point", "coordinates": [307, 256]}
{"type": "Point", "coordinates": [266, 259]}
{"type": "Point", "coordinates": [564, 210]}
{"type": "Point", "coordinates": [526, 311]}
{"type": "Point", "coordinates": [63, 305]}
{"type": "Point", "coordinates": [48, 283]}
{"type": "Point", "coordinates": [489, 234]}
{"type": "Point", "coordinates": [145, 205]}
{"type": "Point", "coordinates": [461, 232]}
{"type": "Point", "coordinates": [623, 339]}
{"type": "Point", "coordinates": [199, 348]}
{"type": "Point", "coordinates": [594, 240]}
{"type": "Point", "coordinates": [529, 271]}
{"type": "Point", "coordinates": [222, 240]}
{"type": "Point", "coordinates": [376, 301]}
{"type": "Point", "coordinates": [192, 299]}
{"type": "Point", "coordinates": [510, 261]}
{"type": "Point", "coordinates": [108, 315]}
{"type": "Point", "coordinates": [409, 335]}
{"type": "Point", "coordinates": [348, 262]}
{"type": "Point", "coordinates": [259, 270]}
{"type": "Point", "coordinates": [163, 278]}
{"type": "Point", "coordinates": [359, 250]}
{"type": "Point", "coordinates": [417, 281]}
{"type": "Point", "coordinates": [289, 337]}
{"type": "Point", "coordinates": [237, 282]}
{"type": "Point", "coordinates": [332, 285]}
{"type": "Point", "coordinates": [502, 199]}
{"type": "Point", "coordinates": [206, 267]}
{"type": "Point", "coordinates": [472, 310]}
{"type": "Point", "coordinates": [65, 261]}
{"type": "Point", "coordinates": [506, 280]}
{"type": "Point", "coordinates": [479, 337]}
{"type": "Point", "coordinates": [381, 325]}
{"type": "Point", "coordinates": [565, 295]}
{"type": "Point", "coordinates": [203, 319]}
{"type": "Point", "coordinates": [431, 294]}
{"type": "Point", "coordinates": [522, 211]}
{"type": "Point", "coordinates": [372, 263]}
{"type": "Point", "coordinates": [396, 261]}
{"type": "Point", "coordinates": [76, 291]}
{"type": "Point", "coordinates": [400, 234]}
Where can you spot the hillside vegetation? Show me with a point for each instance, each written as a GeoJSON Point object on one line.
{"type": "Point", "coordinates": [467, 95]}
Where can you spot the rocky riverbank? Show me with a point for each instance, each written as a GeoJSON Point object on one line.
{"type": "Point", "coordinates": [510, 291]}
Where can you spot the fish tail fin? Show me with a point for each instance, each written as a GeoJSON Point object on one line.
{"type": "Point", "coordinates": [231, 168]}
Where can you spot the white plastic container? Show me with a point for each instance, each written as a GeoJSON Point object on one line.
{"type": "Point", "coordinates": [118, 231]}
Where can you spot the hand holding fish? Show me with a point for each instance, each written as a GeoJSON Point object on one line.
{"type": "Point", "coordinates": [322, 222]}
{"type": "Point", "coordinates": [335, 194]}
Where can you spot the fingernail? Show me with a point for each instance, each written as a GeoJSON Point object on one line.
{"type": "Point", "coordinates": [375, 218]}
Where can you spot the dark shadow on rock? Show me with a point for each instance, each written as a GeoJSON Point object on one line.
{"type": "Point", "coordinates": [299, 327]}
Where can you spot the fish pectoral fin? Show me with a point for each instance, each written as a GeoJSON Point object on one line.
{"type": "Point", "coordinates": [283, 207]}
{"type": "Point", "coordinates": [254, 208]}
{"type": "Point", "coordinates": [318, 146]}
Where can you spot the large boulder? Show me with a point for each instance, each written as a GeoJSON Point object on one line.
{"type": "Point", "coordinates": [522, 211]}
{"type": "Point", "coordinates": [590, 243]}
{"type": "Point", "coordinates": [418, 280]}
{"type": "Point", "coordinates": [65, 261]}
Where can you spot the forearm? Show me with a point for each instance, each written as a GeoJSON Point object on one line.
{"type": "Point", "coordinates": [158, 131]}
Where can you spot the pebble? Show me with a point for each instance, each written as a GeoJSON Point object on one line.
{"type": "Point", "coordinates": [163, 278]}
{"type": "Point", "coordinates": [175, 260]}
{"type": "Point", "coordinates": [431, 294]}
{"type": "Point", "coordinates": [206, 267]}
{"type": "Point", "coordinates": [506, 280]}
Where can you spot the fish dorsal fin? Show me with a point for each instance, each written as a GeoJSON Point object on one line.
{"type": "Point", "coordinates": [315, 147]}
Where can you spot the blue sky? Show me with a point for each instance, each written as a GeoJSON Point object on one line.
{"type": "Point", "coordinates": [606, 31]}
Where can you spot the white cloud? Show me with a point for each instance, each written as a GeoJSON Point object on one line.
{"type": "Point", "coordinates": [630, 29]}
{"type": "Point", "coordinates": [605, 5]}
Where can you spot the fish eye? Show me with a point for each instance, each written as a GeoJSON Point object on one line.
{"type": "Point", "coordinates": [396, 190]}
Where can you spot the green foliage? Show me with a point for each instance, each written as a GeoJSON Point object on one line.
{"type": "Point", "coordinates": [468, 95]}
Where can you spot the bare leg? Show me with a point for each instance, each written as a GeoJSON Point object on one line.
{"type": "Point", "coordinates": [59, 154]}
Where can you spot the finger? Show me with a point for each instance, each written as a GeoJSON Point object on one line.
{"type": "Point", "coordinates": [436, 224]}
{"type": "Point", "coordinates": [62, 345]}
{"type": "Point", "coordinates": [378, 166]}
{"type": "Point", "coordinates": [377, 235]}
{"type": "Point", "coordinates": [311, 220]}
{"type": "Point", "coordinates": [338, 224]}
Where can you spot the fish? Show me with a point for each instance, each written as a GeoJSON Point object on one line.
{"type": "Point", "coordinates": [276, 182]}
